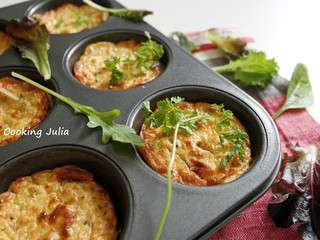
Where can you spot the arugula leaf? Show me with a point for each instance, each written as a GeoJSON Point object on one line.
{"type": "Point", "coordinates": [133, 15]}
{"type": "Point", "coordinates": [149, 53]}
{"type": "Point", "coordinates": [233, 46]}
{"type": "Point", "coordinates": [182, 40]}
{"type": "Point", "coordinates": [104, 120]}
{"type": "Point", "coordinates": [32, 40]}
{"type": "Point", "coordinates": [9, 94]}
{"type": "Point", "coordinates": [116, 75]}
{"type": "Point", "coordinates": [253, 69]}
{"type": "Point", "coordinates": [299, 93]}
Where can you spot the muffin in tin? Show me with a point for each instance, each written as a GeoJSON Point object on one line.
{"type": "Point", "coordinates": [70, 18]}
{"type": "Point", "coordinates": [62, 203]}
{"type": "Point", "coordinates": [216, 151]}
{"type": "Point", "coordinates": [25, 111]}
{"type": "Point", "coordinates": [119, 65]}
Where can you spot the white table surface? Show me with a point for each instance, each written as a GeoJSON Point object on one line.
{"type": "Point", "coordinates": [287, 30]}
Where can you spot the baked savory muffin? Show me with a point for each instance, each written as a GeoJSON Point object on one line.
{"type": "Point", "coordinates": [70, 18]}
{"type": "Point", "coordinates": [25, 113]}
{"type": "Point", "coordinates": [63, 203]}
{"type": "Point", "coordinates": [216, 151]}
{"type": "Point", "coordinates": [108, 65]}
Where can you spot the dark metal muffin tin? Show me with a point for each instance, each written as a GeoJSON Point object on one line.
{"type": "Point", "coordinates": [137, 191]}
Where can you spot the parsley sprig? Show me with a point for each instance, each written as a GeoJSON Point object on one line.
{"type": "Point", "coordinates": [171, 119]}
{"type": "Point", "coordinates": [168, 115]}
{"type": "Point", "coordinates": [149, 53]}
{"type": "Point", "coordinates": [112, 64]}
{"type": "Point", "coordinates": [229, 134]}
{"type": "Point", "coordinates": [146, 58]}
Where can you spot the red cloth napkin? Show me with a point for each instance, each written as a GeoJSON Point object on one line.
{"type": "Point", "coordinates": [295, 127]}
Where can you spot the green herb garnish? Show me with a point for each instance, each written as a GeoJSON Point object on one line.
{"type": "Point", "coordinates": [148, 54]}
{"type": "Point", "coordinates": [104, 120]}
{"type": "Point", "coordinates": [170, 119]}
{"type": "Point", "coordinates": [182, 40]}
{"type": "Point", "coordinates": [59, 23]}
{"type": "Point", "coordinates": [146, 57]}
{"type": "Point", "coordinates": [133, 15]}
{"type": "Point", "coordinates": [253, 69]}
{"type": "Point", "coordinates": [299, 93]}
{"type": "Point", "coordinates": [116, 75]}
{"type": "Point", "coordinates": [230, 45]}
{"type": "Point", "coordinates": [229, 134]}
{"type": "Point", "coordinates": [32, 39]}
{"type": "Point", "coordinates": [238, 139]}
{"type": "Point", "coordinates": [81, 19]}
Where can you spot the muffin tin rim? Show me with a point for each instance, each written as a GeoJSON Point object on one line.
{"type": "Point", "coordinates": [105, 34]}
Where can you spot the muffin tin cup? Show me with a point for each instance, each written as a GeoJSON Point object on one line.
{"type": "Point", "coordinates": [192, 93]}
{"type": "Point", "coordinates": [77, 49]}
{"type": "Point", "coordinates": [196, 212]}
{"type": "Point", "coordinates": [105, 172]}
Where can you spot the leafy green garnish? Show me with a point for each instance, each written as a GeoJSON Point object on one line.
{"type": "Point", "coordinates": [229, 134]}
{"type": "Point", "coordinates": [104, 120]}
{"type": "Point", "coordinates": [253, 69]}
{"type": "Point", "coordinates": [233, 46]}
{"type": "Point", "coordinates": [59, 23]}
{"type": "Point", "coordinates": [116, 75]}
{"type": "Point", "coordinates": [299, 93]}
{"type": "Point", "coordinates": [148, 54]}
{"type": "Point", "coordinates": [238, 139]}
{"type": "Point", "coordinates": [168, 114]}
{"type": "Point", "coordinates": [81, 19]}
{"type": "Point", "coordinates": [133, 15]}
{"type": "Point", "coordinates": [146, 58]}
{"type": "Point", "coordinates": [32, 39]}
{"type": "Point", "coordinates": [182, 40]}
{"type": "Point", "coordinates": [170, 119]}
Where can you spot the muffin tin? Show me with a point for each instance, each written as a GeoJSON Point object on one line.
{"type": "Point", "coordinates": [137, 191]}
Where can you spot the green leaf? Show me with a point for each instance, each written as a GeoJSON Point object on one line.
{"type": "Point", "coordinates": [182, 40]}
{"type": "Point", "coordinates": [133, 15]}
{"type": "Point", "coordinates": [32, 40]}
{"type": "Point", "coordinates": [112, 65]}
{"type": "Point", "coordinates": [254, 69]}
{"type": "Point", "coordinates": [233, 46]}
{"type": "Point", "coordinates": [148, 54]}
{"type": "Point", "coordinates": [299, 93]}
{"type": "Point", "coordinates": [104, 120]}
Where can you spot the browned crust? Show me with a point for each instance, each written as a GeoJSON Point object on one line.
{"type": "Point", "coordinates": [82, 73]}
{"type": "Point", "coordinates": [197, 160]}
{"type": "Point", "coordinates": [62, 217]}
{"type": "Point", "coordinates": [5, 42]}
{"type": "Point", "coordinates": [42, 105]}
{"type": "Point", "coordinates": [65, 13]}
